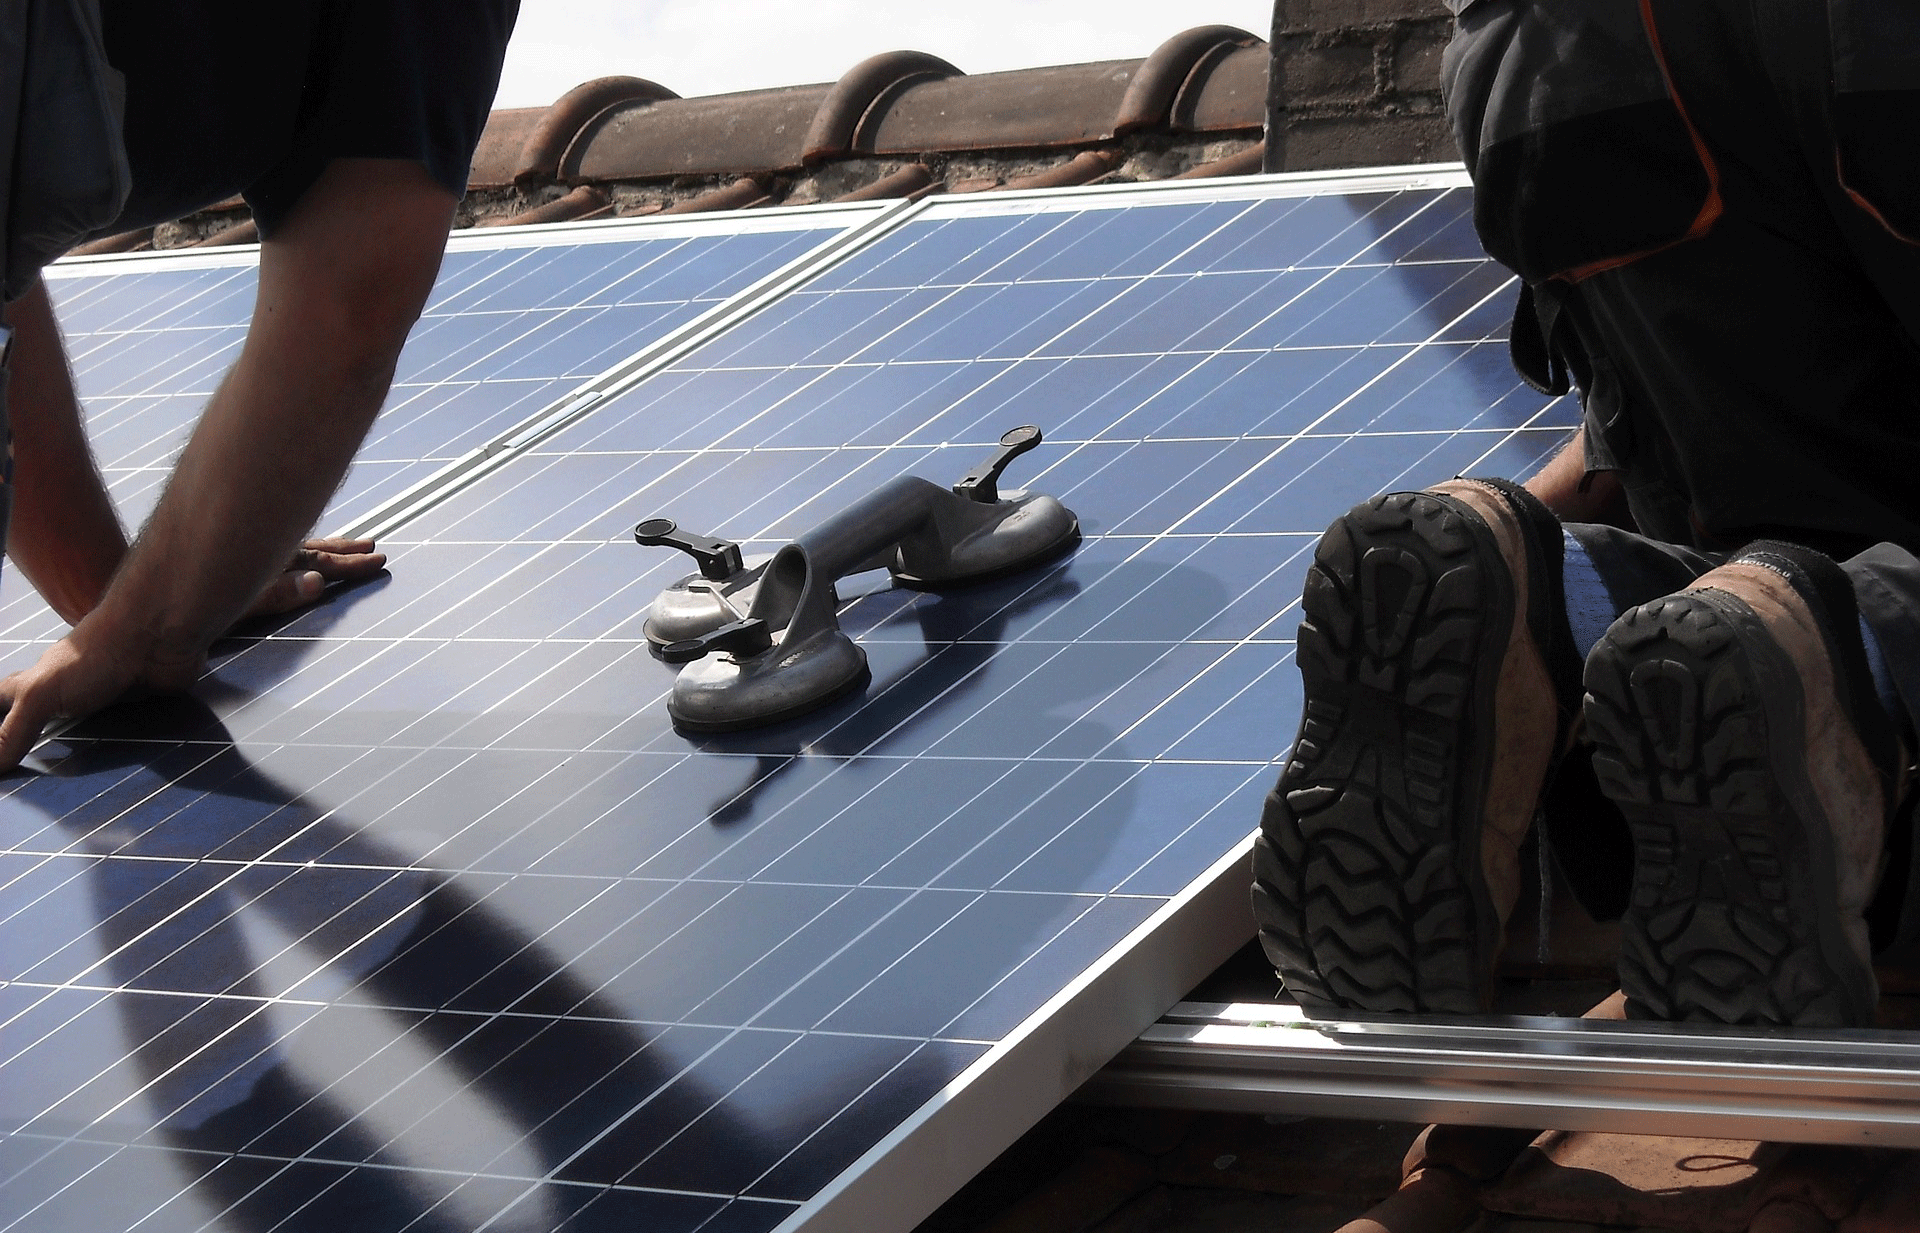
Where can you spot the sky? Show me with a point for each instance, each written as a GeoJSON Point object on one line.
{"type": "Point", "coordinates": [696, 47]}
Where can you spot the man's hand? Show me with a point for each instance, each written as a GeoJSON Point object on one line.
{"type": "Point", "coordinates": [92, 667]}
{"type": "Point", "coordinates": [317, 563]}
{"type": "Point", "coordinates": [95, 665]}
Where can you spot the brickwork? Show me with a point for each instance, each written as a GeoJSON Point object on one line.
{"type": "Point", "coordinates": [1356, 83]}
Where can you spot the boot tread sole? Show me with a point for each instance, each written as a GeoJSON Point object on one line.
{"type": "Point", "coordinates": [1368, 888]}
{"type": "Point", "coordinates": [1733, 912]}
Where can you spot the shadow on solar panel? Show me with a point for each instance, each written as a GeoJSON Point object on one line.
{"type": "Point", "coordinates": [223, 926]}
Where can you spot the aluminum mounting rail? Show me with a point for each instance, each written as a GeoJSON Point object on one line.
{"type": "Point", "coordinates": [1848, 1087]}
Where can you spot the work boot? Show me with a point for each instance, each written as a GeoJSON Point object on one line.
{"type": "Point", "coordinates": [1735, 724]}
{"type": "Point", "coordinates": [1388, 859]}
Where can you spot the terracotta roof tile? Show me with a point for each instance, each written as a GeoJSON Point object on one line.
{"type": "Point", "coordinates": [1226, 90]}
{"type": "Point", "coordinates": [912, 179]}
{"type": "Point", "coordinates": [123, 242]}
{"type": "Point", "coordinates": [1046, 108]}
{"type": "Point", "coordinates": [1171, 79]}
{"type": "Point", "coordinates": [1086, 167]}
{"type": "Point", "coordinates": [725, 134]}
{"type": "Point", "coordinates": [584, 202]}
{"type": "Point", "coordinates": [666, 152]}
{"type": "Point", "coordinates": [1247, 162]}
{"type": "Point", "coordinates": [867, 88]}
{"type": "Point", "coordinates": [899, 124]}
{"type": "Point", "coordinates": [246, 231]}
{"type": "Point", "coordinates": [1713, 1185]}
{"type": "Point", "coordinates": [527, 142]}
{"type": "Point", "coordinates": [742, 194]}
{"type": "Point", "coordinates": [1433, 1200]}
{"type": "Point", "coordinates": [497, 158]}
{"type": "Point", "coordinates": [573, 111]}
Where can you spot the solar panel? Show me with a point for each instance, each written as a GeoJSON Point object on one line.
{"type": "Point", "coordinates": [517, 319]}
{"type": "Point", "coordinates": [424, 915]}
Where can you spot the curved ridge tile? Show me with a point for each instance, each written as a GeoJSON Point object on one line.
{"type": "Point", "coordinates": [118, 242]}
{"type": "Point", "coordinates": [1043, 108]}
{"type": "Point", "coordinates": [1227, 91]}
{"type": "Point", "coordinates": [743, 194]}
{"type": "Point", "coordinates": [759, 131]}
{"type": "Point", "coordinates": [559, 124]}
{"type": "Point", "coordinates": [859, 91]}
{"type": "Point", "coordinates": [1150, 98]}
{"type": "Point", "coordinates": [1247, 162]}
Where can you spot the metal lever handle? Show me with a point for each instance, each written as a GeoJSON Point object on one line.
{"type": "Point", "coordinates": [718, 558]}
{"type": "Point", "coordinates": [982, 484]}
{"type": "Point", "coordinates": [747, 636]}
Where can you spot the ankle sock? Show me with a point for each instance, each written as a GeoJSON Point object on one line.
{"type": "Point", "coordinates": [1590, 608]}
{"type": "Point", "coordinates": [1882, 677]}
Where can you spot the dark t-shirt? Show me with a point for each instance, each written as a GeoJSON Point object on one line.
{"type": "Point", "coordinates": [255, 100]}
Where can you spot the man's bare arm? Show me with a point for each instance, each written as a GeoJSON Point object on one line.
{"type": "Point", "coordinates": [1564, 487]}
{"type": "Point", "coordinates": [341, 284]}
{"type": "Point", "coordinates": [64, 535]}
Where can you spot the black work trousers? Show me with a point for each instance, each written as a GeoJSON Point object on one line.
{"type": "Point", "coordinates": [1715, 206]}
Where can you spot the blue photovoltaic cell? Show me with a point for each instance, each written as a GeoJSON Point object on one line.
{"type": "Point", "coordinates": [421, 915]}
{"type": "Point", "coordinates": [508, 330]}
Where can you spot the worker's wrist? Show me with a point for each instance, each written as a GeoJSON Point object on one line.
{"type": "Point", "coordinates": [149, 650]}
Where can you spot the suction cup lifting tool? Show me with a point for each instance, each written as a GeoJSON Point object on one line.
{"type": "Point", "coordinates": [982, 484]}
{"type": "Point", "coordinates": [749, 636]}
{"type": "Point", "coordinates": [717, 558]}
{"type": "Point", "coordinates": [762, 642]}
